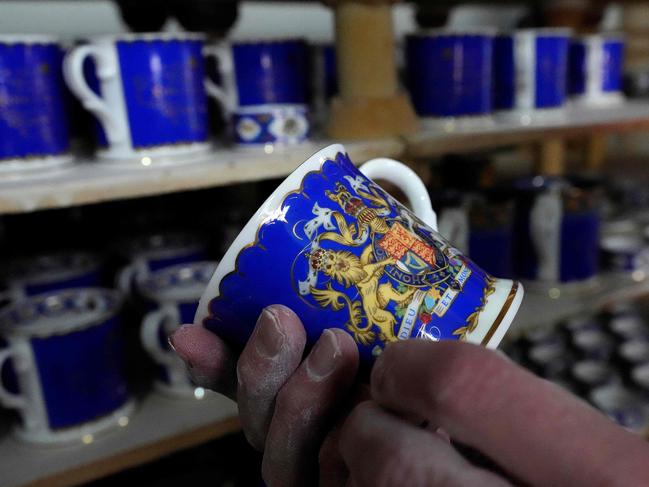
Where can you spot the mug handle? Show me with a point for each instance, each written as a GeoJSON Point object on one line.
{"type": "Point", "coordinates": [124, 280]}
{"type": "Point", "coordinates": [149, 333]}
{"type": "Point", "coordinates": [76, 81]}
{"type": "Point", "coordinates": [224, 95]}
{"type": "Point", "coordinates": [407, 180]}
{"type": "Point", "coordinates": [8, 398]}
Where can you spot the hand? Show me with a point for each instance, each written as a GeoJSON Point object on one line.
{"type": "Point", "coordinates": [286, 405]}
{"type": "Point", "coordinates": [537, 434]}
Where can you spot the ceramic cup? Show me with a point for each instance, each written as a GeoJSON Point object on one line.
{"type": "Point", "coordinates": [337, 249]}
{"type": "Point", "coordinates": [63, 365]}
{"type": "Point", "coordinates": [33, 119]}
{"type": "Point", "coordinates": [530, 70]}
{"type": "Point", "coordinates": [449, 75]}
{"type": "Point", "coordinates": [596, 69]}
{"type": "Point", "coordinates": [622, 406]}
{"type": "Point", "coordinates": [263, 90]}
{"type": "Point", "coordinates": [173, 293]}
{"type": "Point", "coordinates": [150, 98]}
{"type": "Point", "coordinates": [624, 252]}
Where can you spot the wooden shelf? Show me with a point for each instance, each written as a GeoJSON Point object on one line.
{"type": "Point", "coordinates": [89, 182]}
{"type": "Point", "coordinates": [576, 122]}
{"type": "Point", "coordinates": [159, 426]}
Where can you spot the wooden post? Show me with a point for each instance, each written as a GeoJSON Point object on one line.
{"type": "Point", "coordinates": [552, 157]}
{"type": "Point", "coordinates": [370, 103]}
{"type": "Point", "coordinates": [596, 151]}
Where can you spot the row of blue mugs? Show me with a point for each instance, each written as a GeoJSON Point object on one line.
{"type": "Point", "coordinates": [530, 72]}
{"type": "Point", "coordinates": [149, 94]}
{"type": "Point", "coordinates": [64, 340]}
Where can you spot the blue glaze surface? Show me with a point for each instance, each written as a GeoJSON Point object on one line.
{"type": "Point", "coordinates": [33, 119]}
{"type": "Point", "coordinates": [613, 65]}
{"type": "Point", "coordinates": [577, 68]}
{"type": "Point", "coordinates": [551, 71]}
{"type": "Point", "coordinates": [504, 75]}
{"type": "Point", "coordinates": [450, 75]}
{"type": "Point", "coordinates": [271, 126]}
{"type": "Point", "coordinates": [343, 253]}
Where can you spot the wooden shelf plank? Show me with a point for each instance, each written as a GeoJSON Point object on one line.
{"type": "Point", "coordinates": [89, 182]}
{"type": "Point", "coordinates": [577, 122]}
{"type": "Point", "coordinates": [160, 425]}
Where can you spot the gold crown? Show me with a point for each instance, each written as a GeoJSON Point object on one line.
{"type": "Point", "coordinates": [317, 258]}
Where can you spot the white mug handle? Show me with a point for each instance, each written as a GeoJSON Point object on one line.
{"type": "Point", "coordinates": [151, 328]}
{"type": "Point", "coordinates": [225, 95]}
{"type": "Point", "coordinates": [408, 181]}
{"type": "Point", "coordinates": [124, 280]}
{"type": "Point", "coordinates": [20, 363]}
{"type": "Point", "coordinates": [106, 62]}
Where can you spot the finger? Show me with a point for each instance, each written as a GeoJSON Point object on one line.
{"type": "Point", "coordinates": [381, 449]}
{"type": "Point", "coordinates": [332, 469]}
{"type": "Point", "coordinates": [271, 355]}
{"type": "Point", "coordinates": [209, 361]}
{"type": "Point", "coordinates": [306, 408]}
{"type": "Point", "coordinates": [486, 402]}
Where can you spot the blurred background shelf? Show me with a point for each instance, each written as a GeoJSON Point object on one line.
{"type": "Point", "coordinates": [550, 306]}
{"type": "Point", "coordinates": [159, 426]}
{"type": "Point", "coordinates": [89, 182]}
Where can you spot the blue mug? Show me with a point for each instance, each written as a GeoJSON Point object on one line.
{"type": "Point", "coordinates": [595, 69]}
{"type": "Point", "coordinates": [530, 71]}
{"type": "Point", "coordinates": [333, 246]}
{"type": "Point", "coordinates": [151, 98]}
{"type": "Point", "coordinates": [44, 273]}
{"type": "Point", "coordinates": [33, 119]}
{"type": "Point", "coordinates": [63, 365]}
{"type": "Point", "coordinates": [149, 253]}
{"type": "Point", "coordinates": [264, 90]}
{"type": "Point", "coordinates": [324, 79]}
{"type": "Point", "coordinates": [174, 293]}
{"type": "Point", "coordinates": [557, 227]}
{"type": "Point", "coordinates": [450, 73]}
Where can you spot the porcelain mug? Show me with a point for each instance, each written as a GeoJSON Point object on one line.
{"type": "Point", "coordinates": [63, 365]}
{"type": "Point", "coordinates": [174, 293]}
{"type": "Point", "coordinates": [150, 98]}
{"type": "Point", "coordinates": [333, 246]}
{"type": "Point", "coordinates": [263, 90]}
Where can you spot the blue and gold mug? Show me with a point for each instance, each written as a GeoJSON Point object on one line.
{"type": "Point", "coordinates": [62, 362]}
{"type": "Point", "coordinates": [341, 252]}
{"type": "Point", "coordinates": [264, 90]}
{"type": "Point", "coordinates": [33, 118]}
{"type": "Point", "coordinates": [174, 293]}
{"type": "Point", "coordinates": [151, 100]}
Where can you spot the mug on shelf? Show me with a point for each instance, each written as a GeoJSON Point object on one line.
{"type": "Point", "coordinates": [449, 75]}
{"type": "Point", "coordinates": [341, 252]}
{"type": "Point", "coordinates": [264, 90]}
{"type": "Point", "coordinates": [324, 79]}
{"type": "Point", "coordinates": [174, 293]}
{"type": "Point", "coordinates": [624, 252]}
{"type": "Point", "coordinates": [33, 118]}
{"type": "Point", "coordinates": [530, 72]}
{"type": "Point", "coordinates": [150, 98]}
{"type": "Point", "coordinates": [596, 70]}
{"type": "Point", "coordinates": [43, 273]}
{"type": "Point", "coordinates": [149, 253]}
{"type": "Point", "coordinates": [63, 365]}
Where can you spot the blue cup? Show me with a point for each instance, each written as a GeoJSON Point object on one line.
{"type": "Point", "coordinates": [530, 71]}
{"type": "Point", "coordinates": [557, 227]}
{"type": "Point", "coordinates": [595, 70]}
{"type": "Point", "coordinates": [44, 273]}
{"type": "Point", "coordinates": [264, 90]}
{"type": "Point", "coordinates": [173, 293]}
{"type": "Point", "coordinates": [450, 73]}
{"type": "Point", "coordinates": [33, 119]}
{"type": "Point", "coordinates": [324, 79]}
{"type": "Point", "coordinates": [151, 99]}
{"type": "Point", "coordinates": [63, 365]}
{"type": "Point", "coordinates": [341, 252]}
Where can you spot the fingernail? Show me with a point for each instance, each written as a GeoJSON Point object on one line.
{"type": "Point", "coordinates": [322, 359]}
{"type": "Point", "coordinates": [270, 337]}
{"type": "Point", "coordinates": [170, 339]}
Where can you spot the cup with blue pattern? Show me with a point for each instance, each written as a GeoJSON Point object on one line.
{"type": "Point", "coordinates": [595, 72]}
{"type": "Point", "coordinates": [530, 73]}
{"type": "Point", "coordinates": [54, 271]}
{"type": "Point", "coordinates": [263, 90]}
{"type": "Point", "coordinates": [341, 252]}
{"type": "Point", "coordinates": [147, 91]}
{"type": "Point", "coordinates": [33, 119]}
{"type": "Point", "coordinates": [173, 294]}
{"type": "Point", "coordinates": [449, 75]}
{"type": "Point", "coordinates": [62, 362]}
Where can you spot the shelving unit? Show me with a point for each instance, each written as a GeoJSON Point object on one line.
{"type": "Point", "coordinates": [160, 425]}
